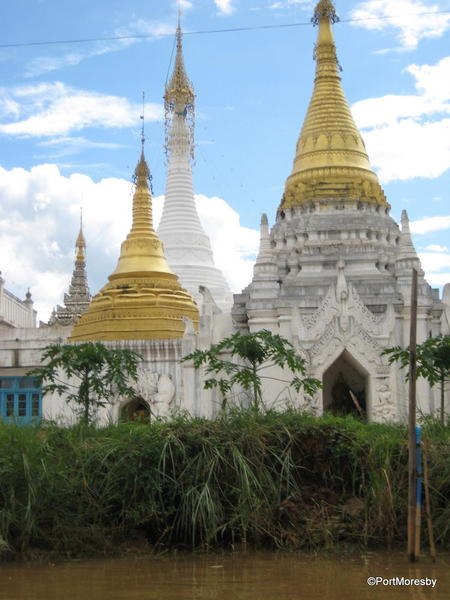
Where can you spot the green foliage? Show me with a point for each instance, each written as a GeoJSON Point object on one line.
{"type": "Point", "coordinates": [250, 354]}
{"type": "Point", "coordinates": [93, 374]}
{"type": "Point", "coordinates": [265, 480]}
{"type": "Point", "coordinates": [433, 362]}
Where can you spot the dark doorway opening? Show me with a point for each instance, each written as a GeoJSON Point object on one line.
{"type": "Point", "coordinates": [136, 411]}
{"type": "Point", "coordinates": [345, 387]}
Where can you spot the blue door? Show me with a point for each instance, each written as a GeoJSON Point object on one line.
{"type": "Point", "coordinates": [20, 400]}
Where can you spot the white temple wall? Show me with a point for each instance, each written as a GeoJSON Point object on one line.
{"type": "Point", "coordinates": [15, 312]}
{"type": "Point", "coordinates": [56, 408]}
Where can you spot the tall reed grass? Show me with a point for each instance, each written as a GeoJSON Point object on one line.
{"type": "Point", "coordinates": [280, 480]}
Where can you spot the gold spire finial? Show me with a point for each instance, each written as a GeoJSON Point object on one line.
{"type": "Point", "coordinates": [142, 199]}
{"type": "Point", "coordinates": [142, 171]}
{"type": "Point", "coordinates": [143, 298]}
{"type": "Point", "coordinates": [179, 91]}
{"type": "Point", "coordinates": [331, 163]}
{"type": "Point", "coordinates": [80, 242]}
{"type": "Point", "coordinates": [325, 10]}
{"type": "Point", "coordinates": [179, 97]}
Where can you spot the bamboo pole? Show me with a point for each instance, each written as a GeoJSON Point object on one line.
{"type": "Point", "coordinates": [418, 492]}
{"type": "Point", "coordinates": [428, 505]}
{"type": "Point", "coordinates": [412, 422]}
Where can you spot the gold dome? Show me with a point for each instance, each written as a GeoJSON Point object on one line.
{"type": "Point", "coordinates": [331, 162]}
{"type": "Point", "coordinates": [143, 298]}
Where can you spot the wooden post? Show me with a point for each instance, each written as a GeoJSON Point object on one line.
{"type": "Point", "coordinates": [412, 422]}
{"type": "Point", "coordinates": [428, 505]}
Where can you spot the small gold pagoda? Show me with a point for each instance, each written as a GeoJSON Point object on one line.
{"type": "Point", "coordinates": [143, 298]}
{"type": "Point", "coordinates": [331, 163]}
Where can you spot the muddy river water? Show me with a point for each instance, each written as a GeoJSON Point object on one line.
{"type": "Point", "coordinates": [248, 576]}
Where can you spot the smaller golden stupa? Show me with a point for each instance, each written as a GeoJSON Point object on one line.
{"type": "Point", "coordinates": [143, 298]}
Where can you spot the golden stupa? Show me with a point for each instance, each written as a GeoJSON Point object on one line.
{"type": "Point", "coordinates": [331, 162]}
{"type": "Point", "coordinates": [143, 298]}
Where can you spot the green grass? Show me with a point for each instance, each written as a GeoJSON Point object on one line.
{"type": "Point", "coordinates": [279, 480]}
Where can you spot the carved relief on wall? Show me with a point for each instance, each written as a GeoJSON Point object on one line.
{"type": "Point", "coordinates": [157, 390]}
{"type": "Point", "coordinates": [311, 404]}
{"type": "Point", "coordinates": [343, 305]}
{"type": "Point", "coordinates": [384, 409]}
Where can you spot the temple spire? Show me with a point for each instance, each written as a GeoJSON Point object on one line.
{"type": "Point", "coordinates": [406, 245]}
{"type": "Point", "coordinates": [265, 272]}
{"type": "Point", "coordinates": [76, 300]}
{"type": "Point", "coordinates": [331, 163]}
{"type": "Point", "coordinates": [407, 259]}
{"type": "Point", "coordinates": [186, 244]}
{"type": "Point", "coordinates": [179, 100]}
{"type": "Point", "coordinates": [142, 250]}
{"type": "Point", "coordinates": [325, 11]}
{"type": "Point", "coordinates": [80, 242]}
{"type": "Point", "coordinates": [143, 298]}
{"type": "Point", "coordinates": [264, 241]}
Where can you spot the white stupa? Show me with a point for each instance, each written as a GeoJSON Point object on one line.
{"type": "Point", "coordinates": [186, 245]}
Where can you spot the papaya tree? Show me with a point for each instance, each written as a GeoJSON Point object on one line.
{"type": "Point", "coordinates": [241, 360]}
{"type": "Point", "coordinates": [88, 374]}
{"type": "Point", "coordinates": [433, 363]}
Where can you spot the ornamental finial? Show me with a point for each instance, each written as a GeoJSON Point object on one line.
{"type": "Point", "coordinates": [179, 92]}
{"type": "Point", "coordinates": [325, 10]}
{"type": "Point", "coordinates": [143, 122]}
{"type": "Point", "coordinates": [179, 98]}
{"type": "Point", "coordinates": [142, 172]}
{"type": "Point", "coordinates": [142, 175]}
{"type": "Point", "coordinates": [80, 242]}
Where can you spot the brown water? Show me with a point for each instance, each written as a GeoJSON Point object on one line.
{"type": "Point", "coordinates": [259, 576]}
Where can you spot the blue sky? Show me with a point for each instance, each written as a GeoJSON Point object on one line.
{"type": "Point", "coordinates": [69, 122]}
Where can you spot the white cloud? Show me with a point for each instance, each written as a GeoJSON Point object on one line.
{"type": "Point", "coordinates": [413, 20]}
{"type": "Point", "coordinates": [39, 218]}
{"type": "Point", "coordinates": [234, 246]}
{"type": "Point", "coordinates": [436, 248]}
{"type": "Point", "coordinates": [67, 146]}
{"type": "Point", "coordinates": [438, 279]}
{"type": "Point", "coordinates": [225, 7]}
{"type": "Point", "coordinates": [432, 83]}
{"type": "Point", "coordinates": [409, 136]}
{"type": "Point", "coordinates": [430, 224]}
{"type": "Point", "coordinates": [281, 4]}
{"type": "Point", "coordinates": [433, 262]}
{"type": "Point", "coordinates": [51, 109]}
{"type": "Point", "coordinates": [408, 149]}
{"type": "Point", "coordinates": [139, 27]}
{"type": "Point", "coordinates": [44, 64]}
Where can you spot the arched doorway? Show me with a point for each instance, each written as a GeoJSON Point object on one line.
{"type": "Point", "coordinates": [345, 387]}
{"type": "Point", "coordinates": [136, 411]}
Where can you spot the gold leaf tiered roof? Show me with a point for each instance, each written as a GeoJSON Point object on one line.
{"type": "Point", "coordinates": [143, 298]}
{"type": "Point", "coordinates": [331, 162]}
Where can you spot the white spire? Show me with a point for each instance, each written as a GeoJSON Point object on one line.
{"type": "Point", "coordinates": [265, 251]}
{"type": "Point", "coordinates": [406, 246]}
{"type": "Point", "coordinates": [265, 269]}
{"type": "Point", "coordinates": [186, 245]}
